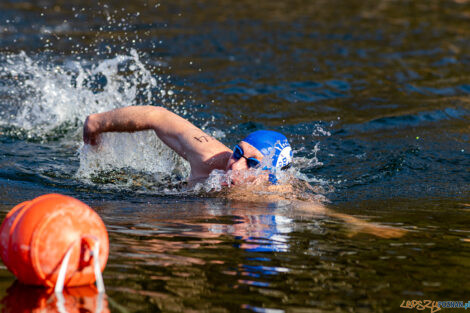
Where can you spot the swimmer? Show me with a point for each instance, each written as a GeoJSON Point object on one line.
{"type": "Point", "coordinates": [266, 150]}
{"type": "Point", "coordinates": [203, 152]}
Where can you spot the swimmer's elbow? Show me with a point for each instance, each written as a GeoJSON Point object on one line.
{"type": "Point", "coordinates": [168, 124]}
{"type": "Point", "coordinates": [156, 117]}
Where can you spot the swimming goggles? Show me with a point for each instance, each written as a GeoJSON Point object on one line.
{"type": "Point", "coordinates": [238, 153]}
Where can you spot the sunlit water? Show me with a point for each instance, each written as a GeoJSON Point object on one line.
{"type": "Point", "coordinates": [374, 97]}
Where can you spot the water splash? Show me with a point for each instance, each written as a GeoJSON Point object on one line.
{"type": "Point", "coordinates": [142, 158]}
{"type": "Point", "coordinates": [40, 99]}
{"type": "Point", "coordinates": [310, 161]}
{"type": "Point", "coordinates": [43, 100]}
{"type": "Point", "coordinates": [252, 185]}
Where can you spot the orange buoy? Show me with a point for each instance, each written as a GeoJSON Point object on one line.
{"type": "Point", "coordinates": [54, 234]}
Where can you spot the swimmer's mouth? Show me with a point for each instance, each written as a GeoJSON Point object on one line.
{"type": "Point", "coordinates": [228, 184]}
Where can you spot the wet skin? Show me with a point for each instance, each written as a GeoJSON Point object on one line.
{"type": "Point", "coordinates": [203, 152]}
{"type": "Point", "coordinates": [240, 167]}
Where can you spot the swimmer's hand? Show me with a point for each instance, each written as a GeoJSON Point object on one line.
{"type": "Point", "coordinates": [91, 131]}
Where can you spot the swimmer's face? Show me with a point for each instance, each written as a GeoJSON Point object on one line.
{"type": "Point", "coordinates": [248, 152]}
{"type": "Point", "coordinates": [239, 167]}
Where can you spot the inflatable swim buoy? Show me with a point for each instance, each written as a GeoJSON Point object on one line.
{"type": "Point", "coordinates": [54, 240]}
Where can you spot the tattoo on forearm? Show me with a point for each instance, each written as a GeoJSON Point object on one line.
{"type": "Point", "coordinates": [203, 138]}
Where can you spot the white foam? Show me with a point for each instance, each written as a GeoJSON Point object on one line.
{"type": "Point", "coordinates": [43, 97]}
{"type": "Point", "coordinates": [141, 151]}
{"type": "Point", "coordinates": [38, 98]}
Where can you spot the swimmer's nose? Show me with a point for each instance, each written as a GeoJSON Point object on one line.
{"type": "Point", "coordinates": [239, 164]}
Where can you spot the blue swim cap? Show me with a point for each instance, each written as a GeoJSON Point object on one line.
{"type": "Point", "coordinates": [274, 145]}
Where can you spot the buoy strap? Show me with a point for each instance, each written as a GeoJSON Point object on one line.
{"type": "Point", "coordinates": [95, 253]}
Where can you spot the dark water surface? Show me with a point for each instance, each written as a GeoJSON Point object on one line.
{"type": "Point", "coordinates": [373, 95]}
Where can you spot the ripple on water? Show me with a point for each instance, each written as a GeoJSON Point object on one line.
{"type": "Point", "coordinates": [371, 93]}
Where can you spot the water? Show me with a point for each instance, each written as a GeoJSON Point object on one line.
{"type": "Point", "coordinates": [372, 95]}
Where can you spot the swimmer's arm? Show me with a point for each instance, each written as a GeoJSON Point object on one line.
{"type": "Point", "coordinates": [128, 119]}
{"type": "Point", "coordinates": [357, 225]}
{"type": "Point", "coordinates": [362, 226]}
{"type": "Point", "coordinates": [203, 152]}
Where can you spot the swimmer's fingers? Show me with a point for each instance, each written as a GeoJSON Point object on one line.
{"type": "Point", "coordinates": [90, 132]}
{"type": "Point", "coordinates": [93, 140]}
